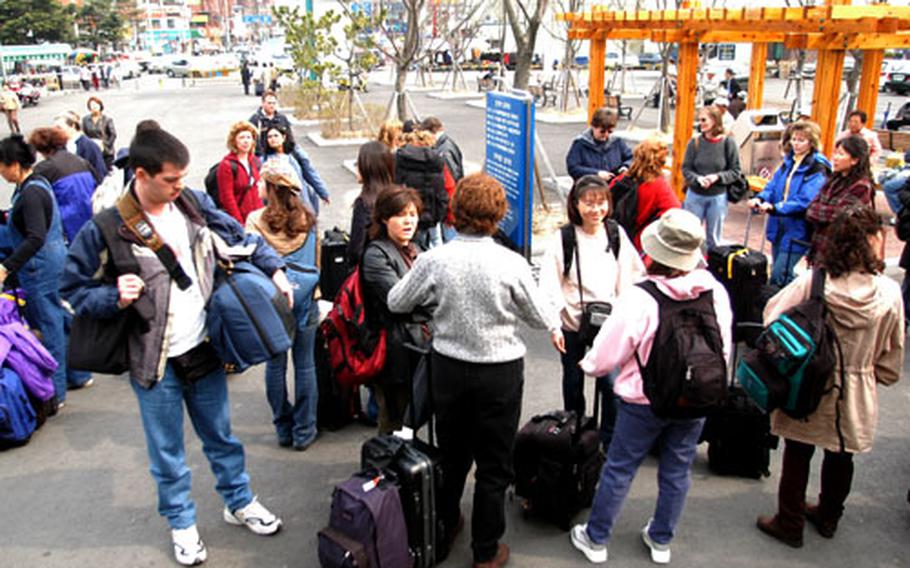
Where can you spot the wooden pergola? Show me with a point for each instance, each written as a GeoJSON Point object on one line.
{"type": "Point", "coordinates": [831, 30]}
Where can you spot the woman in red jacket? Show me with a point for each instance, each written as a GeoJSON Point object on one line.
{"type": "Point", "coordinates": [238, 173]}
{"type": "Point", "coordinates": [655, 195]}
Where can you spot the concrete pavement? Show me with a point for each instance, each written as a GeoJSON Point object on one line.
{"type": "Point", "coordinates": [80, 493]}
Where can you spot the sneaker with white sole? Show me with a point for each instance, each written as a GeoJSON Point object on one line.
{"type": "Point", "coordinates": [189, 549]}
{"type": "Point", "coordinates": [660, 553]}
{"type": "Point", "coordinates": [596, 553]}
{"type": "Point", "coordinates": [255, 517]}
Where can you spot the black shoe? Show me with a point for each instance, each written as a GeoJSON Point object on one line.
{"type": "Point", "coordinates": [825, 527]}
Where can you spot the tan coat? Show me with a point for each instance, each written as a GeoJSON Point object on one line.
{"type": "Point", "coordinates": [867, 314]}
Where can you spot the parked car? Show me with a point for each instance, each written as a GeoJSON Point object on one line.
{"type": "Point", "coordinates": [179, 67]}
{"type": "Point", "coordinates": [809, 67]}
{"type": "Point", "coordinates": [613, 58]}
{"type": "Point", "coordinates": [897, 79]}
{"type": "Point", "coordinates": [129, 68]}
{"type": "Point", "coordinates": [650, 60]}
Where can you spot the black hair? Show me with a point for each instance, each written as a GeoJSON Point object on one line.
{"type": "Point", "coordinates": [151, 149]}
{"type": "Point", "coordinates": [582, 186]}
{"type": "Point", "coordinates": [858, 149]}
{"type": "Point", "coordinates": [860, 113]}
{"type": "Point", "coordinates": [147, 124]}
{"type": "Point", "coordinates": [287, 147]}
{"type": "Point", "coordinates": [15, 150]}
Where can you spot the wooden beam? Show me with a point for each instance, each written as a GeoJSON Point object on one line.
{"type": "Point", "coordinates": [828, 72]}
{"type": "Point", "coordinates": [757, 75]}
{"type": "Point", "coordinates": [596, 64]}
{"type": "Point", "coordinates": [872, 41]}
{"type": "Point", "coordinates": [868, 84]}
{"type": "Point", "coordinates": [687, 74]}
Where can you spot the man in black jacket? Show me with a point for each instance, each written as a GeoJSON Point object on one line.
{"type": "Point", "coordinates": [446, 147]}
{"type": "Point", "coordinates": [267, 116]}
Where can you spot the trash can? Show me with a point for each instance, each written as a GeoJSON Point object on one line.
{"type": "Point", "coordinates": [758, 133]}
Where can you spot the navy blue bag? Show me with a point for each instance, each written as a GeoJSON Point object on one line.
{"type": "Point", "coordinates": [248, 320]}
{"type": "Point", "coordinates": [17, 416]}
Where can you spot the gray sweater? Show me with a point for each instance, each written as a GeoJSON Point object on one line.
{"type": "Point", "coordinates": [705, 158]}
{"type": "Point", "coordinates": [482, 291]}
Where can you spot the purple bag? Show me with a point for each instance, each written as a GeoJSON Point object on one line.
{"type": "Point", "coordinates": [21, 351]}
{"type": "Point", "coordinates": [12, 303]}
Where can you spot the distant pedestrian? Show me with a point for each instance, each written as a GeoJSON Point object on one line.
{"type": "Point", "coordinates": [730, 85]}
{"type": "Point", "coordinates": [865, 312]}
{"type": "Point", "coordinates": [479, 292]}
{"type": "Point", "coordinates": [375, 171]}
{"type": "Point", "coordinates": [596, 152]}
{"type": "Point", "coordinates": [711, 163]}
{"type": "Point", "coordinates": [856, 126]}
{"type": "Point", "coordinates": [9, 102]}
{"type": "Point", "coordinates": [238, 173]}
{"type": "Point", "coordinates": [96, 76]}
{"type": "Point", "coordinates": [85, 77]}
{"type": "Point", "coordinates": [100, 127]}
{"type": "Point", "coordinates": [265, 117]}
{"type": "Point", "coordinates": [245, 76]}
{"type": "Point", "coordinates": [723, 105]}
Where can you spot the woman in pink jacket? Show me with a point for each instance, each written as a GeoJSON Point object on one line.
{"type": "Point", "coordinates": [673, 244]}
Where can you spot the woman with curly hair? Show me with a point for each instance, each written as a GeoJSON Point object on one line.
{"type": "Point", "coordinates": [481, 292]}
{"type": "Point", "coordinates": [290, 228]}
{"type": "Point", "coordinates": [390, 133]}
{"type": "Point", "coordinates": [655, 196]}
{"type": "Point", "coordinates": [238, 173]}
{"type": "Point", "coordinates": [850, 183]}
{"type": "Point", "coordinates": [864, 308]}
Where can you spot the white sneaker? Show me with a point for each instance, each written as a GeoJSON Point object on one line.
{"type": "Point", "coordinates": [596, 553]}
{"type": "Point", "coordinates": [189, 549]}
{"type": "Point", "coordinates": [660, 553]}
{"type": "Point", "coordinates": [255, 517]}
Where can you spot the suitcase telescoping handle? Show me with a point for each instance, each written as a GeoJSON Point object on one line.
{"type": "Point", "coordinates": [424, 352]}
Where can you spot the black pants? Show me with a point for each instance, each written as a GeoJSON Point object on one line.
{"type": "Point", "coordinates": [477, 411]}
{"type": "Point", "coordinates": [837, 477]}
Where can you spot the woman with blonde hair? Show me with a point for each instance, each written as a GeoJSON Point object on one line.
{"type": "Point", "coordinates": [390, 133]}
{"type": "Point", "coordinates": [655, 196]}
{"type": "Point", "coordinates": [289, 227]}
{"type": "Point", "coordinates": [711, 163]}
{"type": "Point", "coordinates": [238, 173]}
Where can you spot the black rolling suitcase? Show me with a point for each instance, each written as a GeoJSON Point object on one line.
{"type": "Point", "coordinates": [744, 273]}
{"type": "Point", "coordinates": [415, 466]}
{"type": "Point", "coordinates": [333, 262]}
{"type": "Point", "coordinates": [557, 464]}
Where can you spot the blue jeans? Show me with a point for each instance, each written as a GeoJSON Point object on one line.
{"type": "Point", "coordinates": [637, 429]}
{"type": "Point", "coordinates": [206, 400]}
{"type": "Point", "coordinates": [784, 262]}
{"type": "Point", "coordinates": [710, 209]}
{"type": "Point", "coordinates": [573, 387]}
{"type": "Point", "coordinates": [295, 423]}
{"type": "Point", "coordinates": [892, 187]}
{"type": "Point", "coordinates": [45, 313]}
{"type": "Point", "coordinates": [448, 232]}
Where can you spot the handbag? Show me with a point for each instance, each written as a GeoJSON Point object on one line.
{"type": "Point", "coordinates": [738, 189]}
{"type": "Point", "coordinates": [593, 314]}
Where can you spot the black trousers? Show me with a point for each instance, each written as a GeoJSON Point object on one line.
{"type": "Point", "coordinates": [477, 411]}
{"type": "Point", "coordinates": [836, 480]}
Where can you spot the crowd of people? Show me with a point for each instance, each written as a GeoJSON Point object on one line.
{"type": "Point", "coordinates": [425, 235]}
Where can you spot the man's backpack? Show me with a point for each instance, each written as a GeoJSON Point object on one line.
{"type": "Point", "coordinates": [686, 373]}
{"type": "Point", "coordinates": [625, 203]}
{"type": "Point", "coordinates": [356, 351]}
{"type": "Point", "coordinates": [567, 233]}
{"type": "Point", "coordinates": [211, 181]}
{"type": "Point", "coordinates": [794, 357]}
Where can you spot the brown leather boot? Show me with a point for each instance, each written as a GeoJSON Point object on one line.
{"type": "Point", "coordinates": [771, 527]}
{"type": "Point", "coordinates": [825, 526]}
{"type": "Point", "coordinates": [502, 556]}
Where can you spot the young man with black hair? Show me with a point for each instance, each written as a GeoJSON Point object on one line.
{"type": "Point", "coordinates": [856, 126]}
{"type": "Point", "coordinates": [267, 116]}
{"type": "Point", "coordinates": [168, 336]}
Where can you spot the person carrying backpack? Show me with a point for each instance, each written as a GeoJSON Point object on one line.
{"type": "Point", "coordinates": [642, 194]}
{"type": "Point", "coordinates": [630, 339]}
{"type": "Point", "coordinates": [238, 173]}
{"type": "Point", "coordinates": [864, 308]}
{"type": "Point", "coordinates": [590, 264]}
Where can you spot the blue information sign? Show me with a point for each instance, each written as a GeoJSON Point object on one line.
{"type": "Point", "coordinates": [510, 159]}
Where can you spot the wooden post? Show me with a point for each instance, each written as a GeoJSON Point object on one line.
{"type": "Point", "coordinates": [685, 110]}
{"type": "Point", "coordinates": [596, 61]}
{"type": "Point", "coordinates": [829, 70]}
{"type": "Point", "coordinates": [757, 75]}
{"type": "Point", "coordinates": [868, 84]}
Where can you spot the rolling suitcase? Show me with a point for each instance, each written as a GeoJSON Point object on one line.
{"type": "Point", "coordinates": [337, 405]}
{"type": "Point", "coordinates": [334, 267]}
{"type": "Point", "coordinates": [557, 464]}
{"type": "Point", "coordinates": [744, 273]}
{"type": "Point", "coordinates": [416, 468]}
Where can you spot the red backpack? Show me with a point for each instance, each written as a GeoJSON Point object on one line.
{"type": "Point", "coordinates": [356, 352]}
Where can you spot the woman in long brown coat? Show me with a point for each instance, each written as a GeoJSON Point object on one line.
{"type": "Point", "coordinates": [866, 313]}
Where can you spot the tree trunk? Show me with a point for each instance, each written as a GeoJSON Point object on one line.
{"type": "Point", "coordinates": [852, 84]}
{"type": "Point", "coordinates": [523, 69]}
{"type": "Point", "coordinates": [401, 76]}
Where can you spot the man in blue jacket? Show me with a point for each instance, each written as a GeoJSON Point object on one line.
{"type": "Point", "coordinates": [81, 145]}
{"type": "Point", "coordinates": [595, 152]}
{"type": "Point", "coordinates": [171, 365]}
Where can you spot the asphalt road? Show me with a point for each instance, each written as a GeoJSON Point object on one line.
{"type": "Point", "coordinates": [80, 494]}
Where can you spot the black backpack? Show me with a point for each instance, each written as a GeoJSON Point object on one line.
{"type": "Point", "coordinates": [625, 203]}
{"type": "Point", "coordinates": [567, 233]}
{"type": "Point", "coordinates": [211, 181]}
{"type": "Point", "coordinates": [686, 374]}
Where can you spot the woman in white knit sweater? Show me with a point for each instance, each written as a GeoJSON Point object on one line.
{"type": "Point", "coordinates": [481, 292]}
{"type": "Point", "coordinates": [591, 262]}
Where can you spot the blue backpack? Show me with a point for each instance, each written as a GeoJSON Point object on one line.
{"type": "Point", "coordinates": [17, 416]}
{"type": "Point", "coordinates": [248, 320]}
